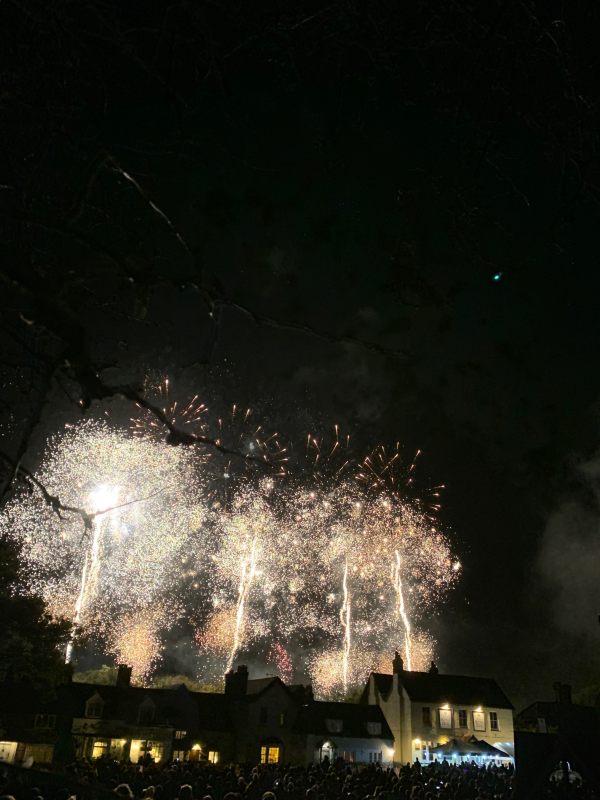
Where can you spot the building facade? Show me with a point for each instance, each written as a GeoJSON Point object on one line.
{"type": "Point", "coordinates": [257, 721]}
{"type": "Point", "coordinates": [425, 710]}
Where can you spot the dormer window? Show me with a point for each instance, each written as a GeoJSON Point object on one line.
{"type": "Point", "coordinates": [374, 728]}
{"type": "Point", "coordinates": [334, 725]}
{"type": "Point", "coordinates": [45, 722]}
{"type": "Point", "coordinates": [94, 707]}
{"type": "Point", "coordinates": [146, 712]}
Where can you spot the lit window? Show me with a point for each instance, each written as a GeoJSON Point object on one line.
{"type": "Point", "coordinates": [494, 720]}
{"type": "Point", "coordinates": [45, 721]}
{"type": "Point", "coordinates": [478, 721]}
{"type": "Point", "coordinates": [180, 734]}
{"type": "Point", "coordinates": [334, 725]}
{"type": "Point", "coordinates": [462, 718]}
{"type": "Point", "coordinates": [100, 749]}
{"type": "Point", "coordinates": [213, 756]}
{"type": "Point", "coordinates": [445, 718]}
{"type": "Point", "coordinates": [426, 711]}
{"type": "Point", "coordinates": [269, 755]}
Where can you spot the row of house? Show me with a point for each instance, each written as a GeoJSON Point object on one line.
{"type": "Point", "coordinates": [401, 716]}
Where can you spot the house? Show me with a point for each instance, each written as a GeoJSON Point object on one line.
{"type": "Point", "coordinates": [257, 721]}
{"type": "Point", "coordinates": [358, 734]}
{"type": "Point", "coordinates": [276, 723]}
{"type": "Point", "coordinates": [122, 722]}
{"type": "Point", "coordinates": [425, 710]}
{"type": "Point", "coordinates": [552, 731]}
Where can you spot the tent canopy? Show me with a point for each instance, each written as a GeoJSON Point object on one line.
{"type": "Point", "coordinates": [468, 747]}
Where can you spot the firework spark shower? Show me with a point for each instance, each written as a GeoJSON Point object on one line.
{"type": "Point", "coordinates": [313, 562]}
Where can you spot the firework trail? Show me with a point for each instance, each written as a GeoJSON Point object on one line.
{"type": "Point", "coordinates": [345, 619]}
{"type": "Point", "coordinates": [401, 608]}
{"type": "Point", "coordinates": [248, 572]}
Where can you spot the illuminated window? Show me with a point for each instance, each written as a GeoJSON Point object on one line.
{"type": "Point", "coordinates": [100, 748]}
{"type": "Point", "coordinates": [445, 718]}
{"type": "Point", "coordinates": [179, 755]}
{"type": "Point", "coordinates": [494, 720]}
{"type": "Point", "coordinates": [462, 718]}
{"type": "Point", "coordinates": [269, 755]}
{"type": "Point", "coordinates": [213, 756]}
{"type": "Point", "coordinates": [426, 711]}
{"type": "Point", "coordinates": [45, 721]}
{"type": "Point", "coordinates": [478, 721]}
{"type": "Point", "coordinates": [180, 734]}
{"type": "Point", "coordinates": [156, 750]}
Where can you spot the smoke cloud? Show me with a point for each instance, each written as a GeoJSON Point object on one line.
{"type": "Point", "coordinates": [569, 559]}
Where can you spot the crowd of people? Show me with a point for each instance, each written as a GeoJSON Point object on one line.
{"type": "Point", "coordinates": [325, 781]}
{"type": "Point", "coordinates": [109, 780]}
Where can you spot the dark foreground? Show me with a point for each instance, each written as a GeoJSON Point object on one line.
{"type": "Point", "coordinates": [104, 780]}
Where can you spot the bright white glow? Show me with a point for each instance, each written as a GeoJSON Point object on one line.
{"type": "Point", "coordinates": [104, 497]}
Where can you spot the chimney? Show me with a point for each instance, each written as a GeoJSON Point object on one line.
{"type": "Point", "coordinates": [236, 683]}
{"type": "Point", "coordinates": [123, 676]}
{"type": "Point", "coordinates": [562, 692]}
{"type": "Point", "coordinates": [397, 664]}
{"type": "Point", "coordinates": [433, 670]}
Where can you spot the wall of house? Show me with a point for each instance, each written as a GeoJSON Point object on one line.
{"type": "Point", "coordinates": [503, 737]}
{"type": "Point", "coordinates": [253, 731]}
{"type": "Point", "coordinates": [367, 750]}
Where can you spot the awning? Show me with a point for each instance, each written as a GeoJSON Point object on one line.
{"type": "Point", "coordinates": [467, 747]}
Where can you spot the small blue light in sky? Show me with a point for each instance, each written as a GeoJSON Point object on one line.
{"type": "Point", "coordinates": [497, 276]}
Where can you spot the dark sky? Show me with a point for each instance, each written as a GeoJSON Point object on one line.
{"type": "Point", "coordinates": [345, 183]}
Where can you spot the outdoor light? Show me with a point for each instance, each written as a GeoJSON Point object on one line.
{"type": "Point", "coordinates": [445, 706]}
{"type": "Point", "coordinates": [197, 747]}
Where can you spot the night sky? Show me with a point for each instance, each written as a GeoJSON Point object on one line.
{"type": "Point", "coordinates": [391, 214]}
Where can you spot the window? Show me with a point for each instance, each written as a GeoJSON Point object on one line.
{"type": "Point", "coordinates": [179, 755]}
{"type": "Point", "coordinates": [146, 713]}
{"type": "Point", "coordinates": [282, 719]}
{"type": "Point", "coordinates": [478, 721]}
{"type": "Point", "coordinates": [374, 728]}
{"type": "Point", "coordinates": [100, 748]}
{"type": "Point", "coordinates": [213, 756]}
{"type": "Point", "coordinates": [94, 707]}
{"type": "Point", "coordinates": [262, 715]}
{"type": "Point", "coordinates": [41, 753]}
{"type": "Point", "coordinates": [269, 755]}
{"type": "Point", "coordinates": [180, 734]}
{"type": "Point", "coordinates": [445, 718]}
{"type": "Point", "coordinates": [45, 722]}
{"type": "Point", "coordinates": [462, 718]}
{"type": "Point", "coordinates": [494, 721]}
{"type": "Point", "coordinates": [334, 725]}
{"type": "Point", "coordinates": [426, 711]}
